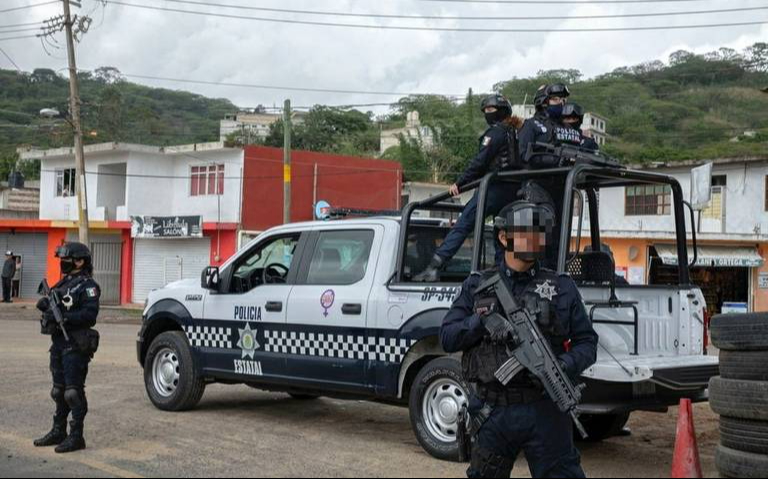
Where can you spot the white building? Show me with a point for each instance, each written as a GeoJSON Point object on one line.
{"type": "Point", "coordinates": [252, 126]}
{"type": "Point", "coordinates": [638, 223]}
{"type": "Point", "coordinates": [413, 130]}
{"type": "Point", "coordinates": [595, 127]}
{"type": "Point", "coordinates": [164, 212]}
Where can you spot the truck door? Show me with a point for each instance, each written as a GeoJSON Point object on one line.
{"type": "Point", "coordinates": [327, 341]}
{"type": "Point", "coordinates": [251, 308]}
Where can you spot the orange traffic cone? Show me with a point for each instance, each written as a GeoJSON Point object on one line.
{"type": "Point", "coordinates": [686, 462]}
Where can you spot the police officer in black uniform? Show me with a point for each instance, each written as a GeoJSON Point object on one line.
{"type": "Point", "coordinates": [573, 117]}
{"type": "Point", "coordinates": [498, 152]}
{"type": "Point", "coordinates": [520, 417]}
{"type": "Point", "coordinates": [547, 126]}
{"type": "Point", "coordinates": [79, 295]}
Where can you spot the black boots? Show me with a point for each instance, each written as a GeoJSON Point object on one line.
{"type": "Point", "coordinates": [73, 442]}
{"type": "Point", "coordinates": [57, 435]}
{"type": "Point", "coordinates": [432, 273]}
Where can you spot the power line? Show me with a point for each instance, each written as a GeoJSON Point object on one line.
{"type": "Point", "coordinates": [469, 18]}
{"type": "Point", "coordinates": [282, 88]}
{"type": "Point", "coordinates": [21, 25]}
{"type": "Point", "coordinates": [562, 2]}
{"type": "Point", "coordinates": [446, 29]}
{"type": "Point", "coordinates": [10, 59]}
{"type": "Point", "coordinates": [17, 38]}
{"type": "Point", "coordinates": [21, 30]}
{"type": "Point", "coordinates": [34, 5]}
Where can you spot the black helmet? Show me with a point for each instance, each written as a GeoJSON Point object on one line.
{"type": "Point", "coordinates": [499, 102]}
{"type": "Point", "coordinates": [503, 109]}
{"type": "Point", "coordinates": [74, 251]}
{"type": "Point", "coordinates": [545, 92]}
{"type": "Point", "coordinates": [574, 110]}
{"type": "Point", "coordinates": [524, 216]}
{"type": "Point", "coordinates": [558, 89]}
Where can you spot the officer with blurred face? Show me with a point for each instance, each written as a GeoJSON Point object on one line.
{"type": "Point", "coordinates": [519, 417]}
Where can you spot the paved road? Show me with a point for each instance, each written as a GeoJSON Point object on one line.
{"type": "Point", "coordinates": [237, 431]}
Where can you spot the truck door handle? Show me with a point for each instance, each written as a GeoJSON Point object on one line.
{"type": "Point", "coordinates": [274, 306]}
{"type": "Point", "coordinates": [352, 309]}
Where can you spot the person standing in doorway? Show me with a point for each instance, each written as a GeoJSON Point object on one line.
{"type": "Point", "coordinates": [9, 270]}
{"type": "Point", "coordinates": [16, 289]}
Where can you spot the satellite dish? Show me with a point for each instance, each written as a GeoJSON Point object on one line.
{"type": "Point", "coordinates": [634, 253]}
{"type": "Point", "coordinates": [322, 210]}
{"type": "Point", "coordinates": [49, 113]}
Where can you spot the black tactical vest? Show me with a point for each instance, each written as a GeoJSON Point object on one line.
{"type": "Point", "coordinates": [481, 362]}
{"type": "Point", "coordinates": [508, 157]}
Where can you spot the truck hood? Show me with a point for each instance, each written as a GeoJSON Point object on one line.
{"type": "Point", "coordinates": [184, 284]}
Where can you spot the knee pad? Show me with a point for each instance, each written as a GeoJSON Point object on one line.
{"type": "Point", "coordinates": [486, 463]}
{"type": "Point", "coordinates": [75, 397]}
{"type": "Point", "coordinates": [57, 393]}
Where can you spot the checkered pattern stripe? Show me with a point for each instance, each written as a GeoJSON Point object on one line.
{"type": "Point", "coordinates": [207, 337]}
{"type": "Point", "coordinates": [343, 346]}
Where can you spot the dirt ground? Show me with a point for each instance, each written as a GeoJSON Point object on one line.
{"type": "Point", "coordinates": [237, 431]}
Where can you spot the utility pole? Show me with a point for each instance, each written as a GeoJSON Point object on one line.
{"type": "Point", "coordinates": [287, 162]}
{"type": "Point", "coordinates": [74, 107]}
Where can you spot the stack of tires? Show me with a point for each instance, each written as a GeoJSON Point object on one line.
{"type": "Point", "coordinates": [740, 394]}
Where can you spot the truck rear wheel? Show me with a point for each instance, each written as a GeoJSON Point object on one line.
{"type": "Point", "coordinates": [602, 426]}
{"type": "Point", "coordinates": [733, 463]}
{"type": "Point", "coordinates": [437, 395]}
{"type": "Point", "coordinates": [739, 399]}
{"type": "Point", "coordinates": [170, 375]}
{"type": "Point", "coordinates": [740, 332]}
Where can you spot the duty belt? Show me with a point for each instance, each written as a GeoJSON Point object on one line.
{"type": "Point", "coordinates": [509, 397]}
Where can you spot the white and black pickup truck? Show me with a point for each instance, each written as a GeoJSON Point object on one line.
{"type": "Point", "coordinates": [329, 309]}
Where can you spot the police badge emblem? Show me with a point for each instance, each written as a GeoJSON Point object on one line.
{"type": "Point", "coordinates": [546, 290]}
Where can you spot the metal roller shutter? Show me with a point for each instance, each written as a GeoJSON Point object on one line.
{"type": "Point", "coordinates": [158, 262]}
{"type": "Point", "coordinates": [33, 248]}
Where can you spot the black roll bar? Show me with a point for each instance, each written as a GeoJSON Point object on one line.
{"type": "Point", "coordinates": [583, 175]}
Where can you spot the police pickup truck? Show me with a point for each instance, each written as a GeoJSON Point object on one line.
{"type": "Point", "coordinates": [330, 309]}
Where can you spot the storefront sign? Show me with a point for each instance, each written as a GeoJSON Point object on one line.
{"type": "Point", "coordinates": [166, 227]}
{"type": "Point", "coordinates": [763, 281]}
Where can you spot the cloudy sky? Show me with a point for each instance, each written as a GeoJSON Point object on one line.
{"type": "Point", "coordinates": [200, 47]}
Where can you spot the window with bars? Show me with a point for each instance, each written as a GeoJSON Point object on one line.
{"type": "Point", "coordinates": [207, 180]}
{"type": "Point", "coordinates": [65, 183]}
{"type": "Point", "coordinates": [648, 200]}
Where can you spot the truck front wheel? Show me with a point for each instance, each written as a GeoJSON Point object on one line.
{"type": "Point", "coordinates": [170, 375]}
{"type": "Point", "coordinates": [437, 395]}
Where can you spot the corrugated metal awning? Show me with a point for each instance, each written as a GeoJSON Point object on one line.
{"type": "Point", "coordinates": [714, 256]}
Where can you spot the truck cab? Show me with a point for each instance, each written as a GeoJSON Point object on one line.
{"type": "Point", "coordinates": [331, 309]}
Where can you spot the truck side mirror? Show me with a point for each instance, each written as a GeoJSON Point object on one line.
{"type": "Point", "coordinates": [211, 278]}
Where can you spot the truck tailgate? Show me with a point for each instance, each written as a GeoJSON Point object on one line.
{"type": "Point", "coordinates": [673, 372]}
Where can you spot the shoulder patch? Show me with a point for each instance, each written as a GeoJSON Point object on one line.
{"type": "Point", "coordinates": [487, 140]}
{"type": "Point", "coordinates": [92, 292]}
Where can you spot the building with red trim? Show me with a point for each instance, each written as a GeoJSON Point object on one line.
{"type": "Point", "coordinates": [198, 197]}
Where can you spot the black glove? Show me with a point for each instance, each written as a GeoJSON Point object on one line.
{"type": "Point", "coordinates": [44, 304]}
{"type": "Point", "coordinates": [498, 328]}
{"type": "Point", "coordinates": [49, 318]}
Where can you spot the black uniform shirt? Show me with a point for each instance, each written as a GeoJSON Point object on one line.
{"type": "Point", "coordinates": [462, 328]}
{"type": "Point", "coordinates": [494, 143]}
{"type": "Point", "coordinates": [84, 294]}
